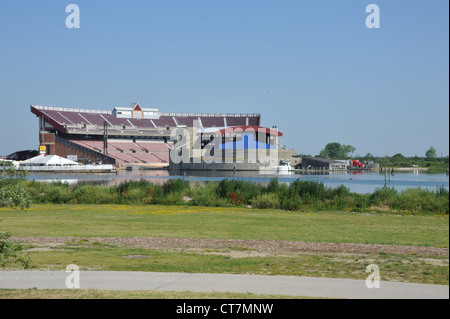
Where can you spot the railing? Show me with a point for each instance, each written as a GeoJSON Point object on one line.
{"type": "Point", "coordinates": [101, 156]}
{"type": "Point", "coordinates": [66, 109]}
{"type": "Point", "coordinates": [74, 168]}
{"type": "Point", "coordinates": [210, 114]}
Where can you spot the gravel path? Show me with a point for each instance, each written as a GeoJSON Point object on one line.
{"type": "Point", "coordinates": [267, 246]}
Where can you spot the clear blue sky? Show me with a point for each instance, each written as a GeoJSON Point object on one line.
{"type": "Point", "coordinates": [312, 68]}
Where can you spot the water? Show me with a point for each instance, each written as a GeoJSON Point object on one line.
{"type": "Point", "coordinates": [357, 181]}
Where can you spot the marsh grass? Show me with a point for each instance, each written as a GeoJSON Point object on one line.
{"type": "Point", "coordinates": [297, 196]}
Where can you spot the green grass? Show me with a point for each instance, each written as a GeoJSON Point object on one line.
{"type": "Point", "coordinates": [225, 223]}
{"type": "Point", "coordinates": [232, 223]}
{"type": "Point", "coordinates": [94, 256]}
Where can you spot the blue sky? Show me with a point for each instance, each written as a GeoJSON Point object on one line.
{"type": "Point", "coordinates": [312, 68]}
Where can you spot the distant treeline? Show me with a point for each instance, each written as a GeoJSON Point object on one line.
{"type": "Point", "coordinates": [431, 160]}
{"type": "Point", "coordinates": [295, 196]}
{"type": "Point", "coordinates": [399, 160]}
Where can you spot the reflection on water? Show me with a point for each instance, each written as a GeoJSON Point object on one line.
{"type": "Point", "coordinates": [356, 181]}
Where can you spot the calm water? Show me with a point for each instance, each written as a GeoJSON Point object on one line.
{"type": "Point", "coordinates": [358, 182]}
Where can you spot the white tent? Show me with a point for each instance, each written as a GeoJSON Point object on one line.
{"type": "Point", "coordinates": [50, 160]}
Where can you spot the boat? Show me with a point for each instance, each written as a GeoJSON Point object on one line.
{"type": "Point", "coordinates": [284, 167]}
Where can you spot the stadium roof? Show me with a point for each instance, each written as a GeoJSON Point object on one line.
{"type": "Point", "coordinates": [92, 122]}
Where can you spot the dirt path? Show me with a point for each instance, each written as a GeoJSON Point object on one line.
{"type": "Point", "coordinates": [268, 247]}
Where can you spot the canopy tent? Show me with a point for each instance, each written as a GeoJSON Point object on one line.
{"type": "Point", "coordinates": [50, 160]}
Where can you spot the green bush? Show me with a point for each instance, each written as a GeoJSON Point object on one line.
{"type": "Point", "coordinates": [308, 189]}
{"type": "Point", "coordinates": [420, 200]}
{"type": "Point", "coordinates": [205, 195]}
{"type": "Point", "coordinates": [383, 196]}
{"type": "Point", "coordinates": [273, 186]}
{"type": "Point", "coordinates": [269, 200]}
{"type": "Point", "coordinates": [129, 185]}
{"type": "Point", "coordinates": [291, 203]}
{"type": "Point", "coordinates": [14, 196]}
{"type": "Point", "coordinates": [237, 189]}
{"type": "Point", "coordinates": [175, 186]}
{"type": "Point", "coordinates": [12, 253]}
{"type": "Point", "coordinates": [358, 202]}
{"type": "Point", "coordinates": [156, 195]}
{"type": "Point", "coordinates": [173, 198]}
{"type": "Point", "coordinates": [340, 191]}
{"type": "Point", "coordinates": [90, 194]}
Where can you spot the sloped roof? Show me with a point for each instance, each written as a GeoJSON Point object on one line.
{"type": "Point", "coordinates": [50, 160]}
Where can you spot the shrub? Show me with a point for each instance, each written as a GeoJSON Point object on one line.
{"type": "Point", "coordinates": [340, 191]}
{"type": "Point", "coordinates": [127, 186]}
{"type": "Point", "coordinates": [273, 186]}
{"type": "Point", "coordinates": [241, 189]}
{"type": "Point", "coordinates": [173, 198]}
{"type": "Point", "coordinates": [13, 196]}
{"type": "Point", "coordinates": [420, 200]}
{"type": "Point", "coordinates": [291, 203]}
{"type": "Point", "coordinates": [236, 199]}
{"type": "Point", "coordinates": [175, 186]}
{"type": "Point", "coordinates": [269, 200]}
{"type": "Point", "coordinates": [205, 195]}
{"type": "Point", "coordinates": [358, 202]}
{"type": "Point", "coordinates": [11, 253]}
{"type": "Point", "coordinates": [383, 196]}
{"type": "Point", "coordinates": [157, 196]}
{"type": "Point", "coordinates": [90, 194]}
{"type": "Point", "coordinates": [307, 189]}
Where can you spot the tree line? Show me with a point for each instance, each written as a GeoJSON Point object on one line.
{"type": "Point", "coordinates": [430, 159]}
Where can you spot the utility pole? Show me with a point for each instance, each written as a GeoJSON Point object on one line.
{"type": "Point", "coordinates": [105, 138]}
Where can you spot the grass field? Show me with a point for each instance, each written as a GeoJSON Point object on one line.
{"type": "Point", "coordinates": [227, 223]}
{"type": "Point", "coordinates": [394, 267]}
{"type": "Point", "coordinates": [232, 223]}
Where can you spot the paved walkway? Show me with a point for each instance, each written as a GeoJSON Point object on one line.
{"type": "Point", "coordinates": [258, 284]}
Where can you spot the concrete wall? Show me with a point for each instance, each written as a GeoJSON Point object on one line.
{"type": "Point", "coordinates": [289, 155]}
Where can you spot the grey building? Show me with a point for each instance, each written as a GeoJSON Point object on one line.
{"type": "Point", "coordinates": [322, 164]}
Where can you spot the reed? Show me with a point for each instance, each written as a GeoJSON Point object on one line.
{"type": "Point", "coordinates": [296, 196]}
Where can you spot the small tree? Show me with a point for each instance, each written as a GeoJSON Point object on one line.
{"type": "Point", "coordinates": [369, 157]}
{"type": "Point", "coordinates": [11, 193]}
{"type": "Point", "coordinates": [337, 151]}
{"type": "Point", "coordinates": [14, 196]}
{"type": "Point", "coordinates": [11, 253]}
{"type": "Point", "coordinates": [431, 153]}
